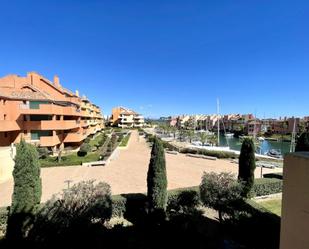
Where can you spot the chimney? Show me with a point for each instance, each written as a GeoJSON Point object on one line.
{"type": "Point", "coordinates": [56, 81]}
{"type": "Point", "coordinates": [77, 93]}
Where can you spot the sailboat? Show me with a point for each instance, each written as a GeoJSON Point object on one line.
{"type": "Point", "coordinates": [293, 143]}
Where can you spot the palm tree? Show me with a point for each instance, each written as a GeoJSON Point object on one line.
{"type": "Point", "coordinates": [203, 137]}
{"type": "Point", "coordinates": [190, 135]}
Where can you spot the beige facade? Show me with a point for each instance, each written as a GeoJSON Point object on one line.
{"type": "Point", "coordinates": [44, 113]}
{"type": "Point", "coordinates": [126, 118]}
{"type": "Point", "coordinates": [295, 202]}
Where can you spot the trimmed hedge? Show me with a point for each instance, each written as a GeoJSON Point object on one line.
{"type": "Point", "coordinates": [273, 175]}
{"type": "Point", "coordinates": [267, 186]}
{"type": "Point", "coordinates": [218, 154]}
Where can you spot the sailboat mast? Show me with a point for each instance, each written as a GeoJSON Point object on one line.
{"type": "Point", "coordinates": [292, 146]}
{"type": "Point", "coordinates": [218, 122]}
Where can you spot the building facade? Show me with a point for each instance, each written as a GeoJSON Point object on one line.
{"type": "Point", "coordinates": [44, 113]}
{"type": "Point", "coordinates": [126, 118]}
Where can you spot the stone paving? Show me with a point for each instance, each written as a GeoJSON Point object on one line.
{"type": "Point", "coordinates": [127, 172]}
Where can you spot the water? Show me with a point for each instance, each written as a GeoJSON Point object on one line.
{"type": "Point", "coordinates": [265, 146]}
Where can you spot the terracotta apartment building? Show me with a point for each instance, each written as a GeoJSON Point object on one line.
{"type": "Point", "coordinates": [44, 113]}
{"type": "Point", "coordinates": [126, 118]}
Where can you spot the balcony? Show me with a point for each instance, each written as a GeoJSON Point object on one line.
{"type": "Point", "coordinates": [51, 125]}
{"type": "Point", "coordinates": [50, 140]}
{"type": "Point", "coordinates": [8, 125]}
{"type": "Point", "coordinates": [49, 109]}
{"type": "Point", "coordinates": [74, 137]}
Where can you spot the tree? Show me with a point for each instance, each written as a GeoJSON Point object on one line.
{"type": "Point", "coordinates": [190, 134]}
{"type": "Point", "coordinates": [247, 165]}
{"type": "Point", "coordinates": [156, 178]}
{"type": "Point", "coordinates": [84, 149]}
{"type": "Point", "coordinates": [203, 137]}
{"type": "Point", "coordinates": [220, 192]}
{"type": "Point", "coordinates": [27, 191]}
{"type": "Point", "coordinates": [303, 142]}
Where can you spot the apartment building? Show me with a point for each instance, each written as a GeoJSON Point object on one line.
{"type": "Point", "coordinates": [44, 113]}
{"type": "Point", "coordinates": [126, 118]}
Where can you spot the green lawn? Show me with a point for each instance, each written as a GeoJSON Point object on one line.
{"type": "Point", "coordinates": [273, 206]}
{"type": "Point", "coordinates": [95, 141]}
{"type": "Point", "coordinates": [69, 160]}
{"type": "Point", "coordinates": [125, 140]}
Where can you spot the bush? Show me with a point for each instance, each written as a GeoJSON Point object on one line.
{"type": "Point", "coordinates": [267, 186]}
{"type": "Point", "coordinates": [218, 154]}
{"type": "Point", "coordinates": [43, 152]}
{"type": "Point", "coordinates": [84, 149]}
{"type": "Point", "coordinates": [273, 175]}
{"type": "Point", "coordinates": [303, 142]}
{"type": "Point", "coordinates": [183, 201]}
{"type": "Point", "coordinates": [69, 160]}
{"type": "Point", "coordinates": [4, 212]}
{"type": "Point", "coordinates": [220, 192]}
{"type": "Point", "coordinates": [118, 206]}
{"type": "Point", "coordinates": [125, 140]}
{"type": "Point", "coordinates": [73, 212]}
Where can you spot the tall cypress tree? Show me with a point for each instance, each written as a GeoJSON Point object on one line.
{"type": "Point", "coordinates": [303, 142]}
{"type": "Point", "coordinates": [27, 191]}
{"type": "Point", "coordinates": [156, 177]}
{"type": "Point", "coordinates": [247, 165]}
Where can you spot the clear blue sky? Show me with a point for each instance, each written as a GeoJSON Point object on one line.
{"type": "Point", "coordinates": [166, 57]}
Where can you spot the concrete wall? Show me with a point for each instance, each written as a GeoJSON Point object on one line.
{"type": "Point", "coordinates": [295, 202]}
{"type": "Point", "coordinates": [6, 162]}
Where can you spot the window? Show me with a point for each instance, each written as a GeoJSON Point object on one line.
{"type": "Point", "coordinates": [4, 101]}
{"type": "Point", "coordinates": [4, 117]}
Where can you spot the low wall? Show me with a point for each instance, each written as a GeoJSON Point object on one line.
{"type": "Point", "coordinates": [295, 202]}
{"type": "Point", "coordinates": [6, 162]}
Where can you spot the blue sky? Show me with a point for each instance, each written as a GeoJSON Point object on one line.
{"type": "Point", "coordinates": [166, 57]}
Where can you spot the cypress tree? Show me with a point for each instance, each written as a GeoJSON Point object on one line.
{"type": "Point", "coordinates": [247, 165]}
{"type": "Point", "coordinates": [27, 191]}
{"type": "Point", "coordinates": [156, 178]}
{"type": "Point", "coordinates": [303, 142]}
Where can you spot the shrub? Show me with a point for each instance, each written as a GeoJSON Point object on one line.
{"type": "Point", "coordinates": [267, 186]}
{"type": "Point", "coordinates": [118, 206]}
{"type": "Point", "coordinates": [43, 152]}
{"type": "Point", "coordinates": [73, 212]}
{"type": "Point", "coordinates": [303, 142]}
{"type": "Point", "coordinates": [27, 191]}
{"type": "Point", "coordinates": [247, 165]}
{"type": "Point", "coordinates": [183, 201]}
{"type": "Point", "coordinates": [125, 140]}
{"type": "Point", "coordinates": [273, 175]}
{"type": "Point", "coordinates": [156, 177]}
{"type": "Point", "coordinates": [84, 149]}
{"type": "Point", "coordinates": [218, 154]}
{"type": "Point", "coordinates": [220, 192]}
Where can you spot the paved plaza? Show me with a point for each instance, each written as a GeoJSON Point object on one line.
{"type": "Point", "coordinates": [127, 172]}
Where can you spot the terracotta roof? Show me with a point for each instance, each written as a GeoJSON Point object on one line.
{"type": "Point", "coordinates": [25, 95]}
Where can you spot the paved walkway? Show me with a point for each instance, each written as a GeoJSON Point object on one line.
{"type": "Point", "coordinates": [128, 172]}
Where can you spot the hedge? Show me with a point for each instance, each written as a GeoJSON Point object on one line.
{"type": "Point", "coordinates": [273, 175]}
{"type": "Point", "coordinates": [69, 160]}
{"type": "Point", "coordinates": [218, 154]}
{"type": "Point", "coordinates": [267, 186]}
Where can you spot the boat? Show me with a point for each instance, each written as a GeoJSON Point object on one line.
{"type": "Point", "coordinates": [274, 153]}
{"type": "Point", "coordinates": [229, 135]}
{"type": "Point", "coordinates": [261, 138]}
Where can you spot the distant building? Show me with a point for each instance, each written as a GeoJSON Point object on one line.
{"type": "Point", "coordinates": [126, 118]}
{"type": "Point", "coordinates": [44, 113]}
